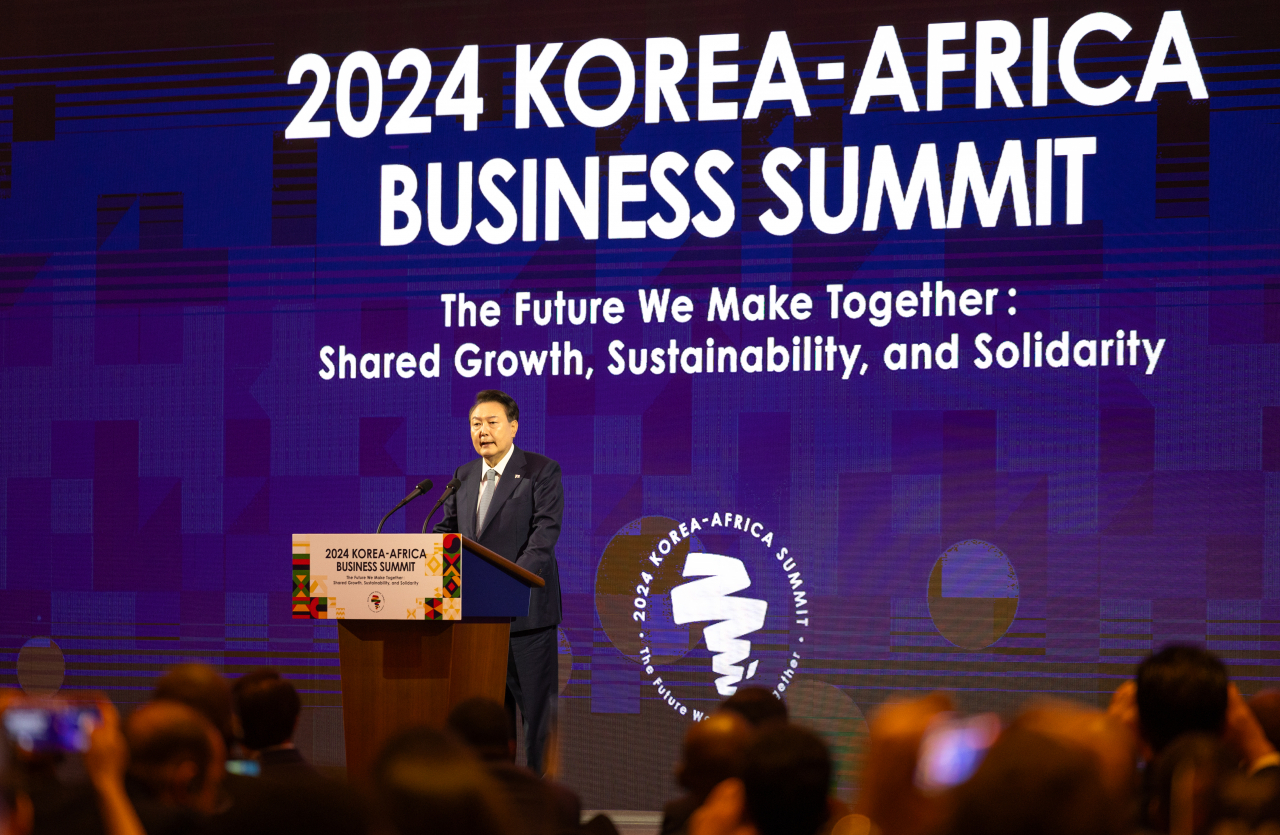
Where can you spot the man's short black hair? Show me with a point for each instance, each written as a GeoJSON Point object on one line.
{"type": "Point", "coordinates": [424, 780]}
{"type": "Point", "coordinates": [483, 724]}
{"type": "Point", "coordinates": [268, 710]}
{"type": "Point", "coordinates": [1180, 688]}
{"type": "Point", "coordinates": [787, 776]}
{"type": "Point", "coordinates": [494, 396]}
{"type": "Point", "coordinates": [253, 677]}
{"type": "Point", "coordinates": [757, 705]}
{"type": "Point", "coordinates": [203, 688]}
{"type": "Point", "coordinates": [163, 733]}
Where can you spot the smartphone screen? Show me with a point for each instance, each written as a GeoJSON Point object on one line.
{"type": "Point", "coordinates": [245, 768]}
{"type": "Point", "coordinates": [952, 749]}
{"type": "Point", "coordinates": [52, 727]}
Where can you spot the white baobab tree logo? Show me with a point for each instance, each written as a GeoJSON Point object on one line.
{"type": "Point", "coordinates": [712, 598]}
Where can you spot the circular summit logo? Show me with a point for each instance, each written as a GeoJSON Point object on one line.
{"type": "Point", "coordinates": [376, 601]}
{"type": "Point", "coordinates": [704, 605]}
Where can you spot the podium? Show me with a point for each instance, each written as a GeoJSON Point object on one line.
{"type": "Point", "coordinates": [409, 665]}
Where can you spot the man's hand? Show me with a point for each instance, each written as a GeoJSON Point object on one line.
{"type": "Point", "coordinates": [108, 753]}
{"type": "Point", "coordinates": [106, 761]}
{"type": "Point", "coordinates": [1245, 734]}
{"type": "Point", "coordinates": [1123, 710]}
{"type": "Point", "coordinates": [1124, 706]}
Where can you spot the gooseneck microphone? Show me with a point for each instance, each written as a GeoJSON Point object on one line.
{"type": "Point", "coordinates": [449, 490]}
{"type": "Point", "coordinates": [423, 486]}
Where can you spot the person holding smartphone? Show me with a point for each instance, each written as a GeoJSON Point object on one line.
{"type": "Point", "coordinates": [41, 731]}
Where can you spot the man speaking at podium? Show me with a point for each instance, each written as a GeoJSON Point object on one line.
{"type": "Point", "coordinates": [511, 502]}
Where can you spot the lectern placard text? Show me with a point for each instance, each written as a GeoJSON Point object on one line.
{"type": "Point", "coordinates": [377, 576]}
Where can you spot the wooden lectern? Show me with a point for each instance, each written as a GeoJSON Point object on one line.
{"type": "Point", "coordinates": [400, 673]}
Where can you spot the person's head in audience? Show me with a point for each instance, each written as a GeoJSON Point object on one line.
{"type": "Point", "coordinates": [757, 705]}
{"type": "Point", "coordinates": [786, 778]}
{"type": "Point", "coordinates": [1266, 708]}
{"type": "Point", "coordinates": [483, 724]}
{"type": "Point", "coordinates": [254, 676]}
{"type": "Point", "coordinates": [427, 782]}
{"type": "Point", "coordinates": [202, 688]}
{"type": "Point", "coordinates": [1180, 689]}
{"type": "Point", "coordinates": [888, 793]}
{"type": "Point", "coordinates": [1094, 730]}
{"type": "Point", "coordinates": [1031, 782]}
{"type": "Point", "coordinates": [268, 709]}
{"type": "Point", "coordinates": [1187, 777]}
{"type": "Point", "coordinates": [714, 750]}
{"type": "Point", "coordinates": [176, 754]}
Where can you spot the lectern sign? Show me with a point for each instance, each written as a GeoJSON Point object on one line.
{"type": "Point", "coordinates": [377, 577]}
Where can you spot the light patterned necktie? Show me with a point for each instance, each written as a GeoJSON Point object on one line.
{"type": "Point", "coordinates": [486, 495]}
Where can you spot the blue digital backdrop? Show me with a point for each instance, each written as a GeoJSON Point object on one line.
{"type": "Point", "coordinates": [1019, 494]}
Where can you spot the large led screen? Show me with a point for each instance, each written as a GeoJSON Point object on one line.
{"type": "Point", "coordinates": [884, 347]}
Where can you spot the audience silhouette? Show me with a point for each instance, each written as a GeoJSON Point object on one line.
{"type": "Point", "coordinates": [1178, 750]}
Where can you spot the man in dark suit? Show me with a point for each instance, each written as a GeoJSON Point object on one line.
{"type": "Point", "coordinates": [511, 502]}
{"type": "Point", "coordinates": [268, 708]}
{"type": "Point", "coordinates": [288, 795]}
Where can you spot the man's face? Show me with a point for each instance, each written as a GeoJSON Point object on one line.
{"type": "Point", "coordinates": [491, 432]}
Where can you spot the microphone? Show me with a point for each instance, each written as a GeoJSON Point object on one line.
{"type": "Point", "coordinates": [423, 486]}
{"type": "Point", "coordinates": [449, 490]}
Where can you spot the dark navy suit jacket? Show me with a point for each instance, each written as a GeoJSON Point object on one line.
{"type": "Point", "coordinates": [522, 524]}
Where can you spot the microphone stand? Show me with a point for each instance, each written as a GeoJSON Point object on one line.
{"type": "Point", "coordinates": [449, 490]}
{"type": "Point", "coordinates": [423, 486]}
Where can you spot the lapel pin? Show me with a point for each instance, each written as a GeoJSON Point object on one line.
{"type": "Point", "coordinates": [517, 475]}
